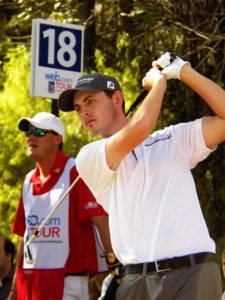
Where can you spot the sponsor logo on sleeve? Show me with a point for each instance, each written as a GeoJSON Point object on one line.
{"type": "Point", "coordinates": [90, 205]}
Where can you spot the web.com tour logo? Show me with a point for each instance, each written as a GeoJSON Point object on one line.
{"type": "Point", "coordinates": [57, 82]}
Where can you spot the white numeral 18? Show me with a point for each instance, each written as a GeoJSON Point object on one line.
{"type": "Point", "coordinates": [64, 48]}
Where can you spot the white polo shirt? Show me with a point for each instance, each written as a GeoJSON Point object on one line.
{"type": "Point", "coordinates": [153, 207]}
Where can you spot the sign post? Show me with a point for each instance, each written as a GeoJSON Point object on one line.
{"type": "Point", "coordinates": [56, 58]}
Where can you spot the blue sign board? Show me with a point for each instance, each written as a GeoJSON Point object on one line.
{"type": "Point", "coordinates": [57, 57]}
{"type": "Point", "coordinates": [60, 47]}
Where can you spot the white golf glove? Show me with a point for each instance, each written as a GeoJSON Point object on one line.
{"type": "Point", "coordinates": [173, 70]}
{"type": "Point", "coordinates": [151, 76]}
{"type": "Point", "coordinates": [171, 67]}
{"type": "Point", "coordinates": [163, 61]}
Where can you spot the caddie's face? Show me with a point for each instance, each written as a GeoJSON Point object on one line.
{"type": "Point", "coordinates": [41, 147]}
{"type": "Point", "coordinates": [96, 111]}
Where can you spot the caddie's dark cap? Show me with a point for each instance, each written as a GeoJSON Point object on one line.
{"type": "Point", "coordinates": [95, 82]}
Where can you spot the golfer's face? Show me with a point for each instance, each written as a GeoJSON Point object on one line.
{"type": "Point", "coordinates": [96, 112]}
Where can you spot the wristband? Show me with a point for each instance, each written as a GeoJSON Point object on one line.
{"type": "Point", "coordinates": [111, 260]}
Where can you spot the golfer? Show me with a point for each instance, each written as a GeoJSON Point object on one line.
{"type": "Point", "coordinates": [144, 182]}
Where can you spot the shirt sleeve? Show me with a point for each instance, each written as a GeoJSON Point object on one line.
{"type": "Point", "coordinates": [19, 225]}
{"type": "Point", "coordinates": [191, 141]}
{"type": "Point", "coordinates": [86, 202]}
{"type": "Point", "coordinates": [93, 168]}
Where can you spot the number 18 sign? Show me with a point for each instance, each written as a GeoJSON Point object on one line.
{"type": "Point", "coordinates": [56, 57]}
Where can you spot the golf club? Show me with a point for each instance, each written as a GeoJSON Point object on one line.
{"type": "Point", "coordinates": [133, 106]}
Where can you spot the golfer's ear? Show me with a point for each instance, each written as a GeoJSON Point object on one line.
{"type": "Point", "coordinates": [118, 98]}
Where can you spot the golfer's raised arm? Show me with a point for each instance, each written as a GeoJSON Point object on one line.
{"type": "Point", "coordinates": [141, 124]}
{"type": "Point", "coordinates": [214, 96]}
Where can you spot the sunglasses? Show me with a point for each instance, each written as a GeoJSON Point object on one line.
{"type": "Point", "coordinates": [39, 132]}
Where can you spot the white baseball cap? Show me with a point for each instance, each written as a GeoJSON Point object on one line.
{"type": "Point", "coordinates": [43, 120]}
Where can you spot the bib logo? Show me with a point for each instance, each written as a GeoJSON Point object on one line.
{"type": "Point", "coordinates": [50, 230]}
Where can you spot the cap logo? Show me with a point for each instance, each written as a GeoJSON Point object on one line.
{"type": "Point", "coordinates": [110, 85]}
{"type": "Point", "coordinates": [84, 80]}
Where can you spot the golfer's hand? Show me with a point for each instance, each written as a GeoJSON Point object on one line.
{"type": "Point", "coordinates": [163, 61]}
{"type": "Point", "coordinates": [172, 71]}
{"type": "Point", "coordinates": [151, 77]}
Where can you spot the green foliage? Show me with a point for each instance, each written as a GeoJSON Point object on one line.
{"type": "Point", "coordinates": [14, 103]}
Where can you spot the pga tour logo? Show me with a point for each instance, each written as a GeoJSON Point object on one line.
{"type": "Point", "coordinates": [110, 85]}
